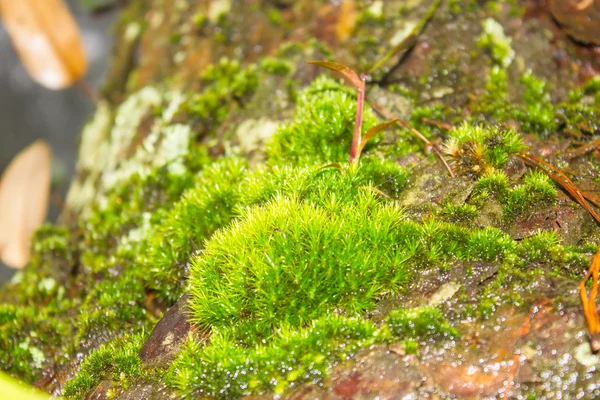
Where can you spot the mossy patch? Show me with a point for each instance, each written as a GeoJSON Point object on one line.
{"type": "Point", "coordinates": [117, 361]}
{"type": "Point", "coordinates": [476, 150]}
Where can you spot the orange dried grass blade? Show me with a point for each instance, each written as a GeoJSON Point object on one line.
{"type": "Point", "coordinates": [589, 303]}
{"type": "Point", "coordinates": [47, 40]}
{"type": "Point", "coordinates": [563, 180]}
{"type": "Point", "coordinates": [24, 192]}
{"type": "Point", "coordinates": [347, 72]}
{"type": "Point", "coordinates": [387, 114]}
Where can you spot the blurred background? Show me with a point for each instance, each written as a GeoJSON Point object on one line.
{"type": "Point", "coordinates": [28, 111]}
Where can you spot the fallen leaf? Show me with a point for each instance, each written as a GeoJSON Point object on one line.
{"type": "Point", "coordinates": [24, 192]}
{"type": "Point", "coordinates": [47, 40]}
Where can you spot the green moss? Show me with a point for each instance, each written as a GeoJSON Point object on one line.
{"type": "Point", "coordinates": [544, 246]}
{"type": "Point", "coordinates": [538, 115]}
{"type": "Point", "coordinates": [30, 339]}
{"type": "Point", "coordinates": [476, 150]}
{"type": "Point", "coordinates": [113, 307]}
{"type": "Point", "coordinates": [537, 190]}
{"type": "Point", "coordinates": [463, 214]}
{"type": "Point", "coordinates": [489, 244]}
{"type": "Point", "coordinates": [419, 323]}
{"type": "Point", "coordinates": [277, 66]}
{"type": "Point", "coordinates": [321, 131]}
{"type": "Point", "coordinates": [224, 369]}
{"type": "Point", "coordinates": [225, 84]}
{"type": "Point", "coordinates": [494, 183]}
{"type": "Point", "coordinates": [291, 261]}
{"type": "Point", "coordinates": [117, 361]}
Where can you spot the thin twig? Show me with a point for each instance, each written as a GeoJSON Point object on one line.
{"type": "Point", "coordinates": [563, 180]}
{"type": "Point", "coordinates": [439, 124]}
{"type": "Point", "coordinates": [589, 303]}
{"type": "Point", "coordinates": [583, 150]}
{"type": "Point", "coordinates": [360, 105]}
{"type": "Point", "coordinates": [387, 114]}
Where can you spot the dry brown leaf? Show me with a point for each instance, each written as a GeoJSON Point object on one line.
{"type": "Point", "coordinates": [24, 192]}
{"type": "Point", "coordinates": [47, 40]}
{"type": "Point", "coordinates": [346, 72]}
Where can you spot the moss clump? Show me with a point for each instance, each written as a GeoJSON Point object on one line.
{"type": "Point", "coordinates": [321, 131]}
{"type": "Point", "coordinates": [225, 370]}
{"type": "Point", "coordinates": [420, 323]}
{"type": "Point", "coordinates": [291, 261]}
{"type": "Point", "coordinates": [225, 187]}
{"type": "Point", "coordinates": [30, 340]}
{"type": "Point", "coordinates": [544, 246]}
{"type": "Point", "coordinates": [224, 85]}
{"type": "Point", "coordinates": [276, 66]}
{"type": "Point", "coordinates": [476, 150]}
{"type": "Point", "coordinates": [463, 214]}
{"type": "Point", "coordinates": [533, 110]}
{"type": "Point", "coordinates": [535, 191]}
{"type": "Point", "coordinates": [113, 307]}
{"type": "Point", "coordinates": [538, 113]}
{"type": "Point", "coordinates": [117, 360]}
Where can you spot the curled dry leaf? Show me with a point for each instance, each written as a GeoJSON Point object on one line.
{"type": "Point", "coordinates": [47, 40]}
{"type": "Point", "coordinates": [24, 192]}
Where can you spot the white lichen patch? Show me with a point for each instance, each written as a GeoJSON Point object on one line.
{"type": "Point", "coordinates": [218, 8]}
{"type": "Point", "coordinates": [494, 38]}
{"type": "Point", "coordinates": [127, 120]}
{"type": "Point", "coordinates": [134, 236]}
{"type": "Point", "coordinates": [175, 145]}
{"type": "Point", "coordinates": [93, 150]}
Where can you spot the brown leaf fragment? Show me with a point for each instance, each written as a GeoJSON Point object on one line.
{"type": "Point", "coordinates": [347, 72]}
{"type": "Point", "coordinates": [47, 40]}
{"type": "Point", "coordinates": [24, 193]}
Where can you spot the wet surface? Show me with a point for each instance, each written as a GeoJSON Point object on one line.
{"type": "Point", "coordinates": [546, 341]}
{"type": "Point", "coordinates": [166, 338]}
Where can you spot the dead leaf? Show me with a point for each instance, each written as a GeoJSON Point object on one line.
{"type": "Point", "coordinates": [347, 72]}
{"type": "Point", "coordinates": [47, 40]}
{"type": "Point", "coordinates": [24, 192]}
